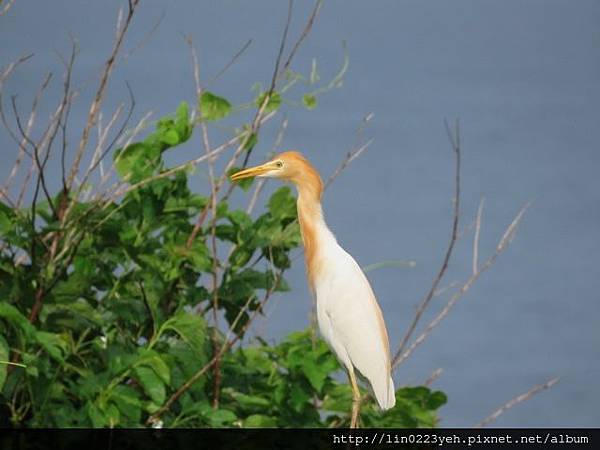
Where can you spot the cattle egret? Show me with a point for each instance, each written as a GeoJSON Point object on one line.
{"type": "Point", "coordinates": [349, 317]}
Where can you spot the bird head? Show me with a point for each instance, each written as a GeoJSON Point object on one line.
{"type": "Point", "coordinates": [288, 166]}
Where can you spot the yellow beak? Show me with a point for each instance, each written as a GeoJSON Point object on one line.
{"type": "Point", "coordinates": [253, 171]}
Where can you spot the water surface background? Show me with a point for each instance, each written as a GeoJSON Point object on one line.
{"type": "Point", "coordinates": [524, 78]}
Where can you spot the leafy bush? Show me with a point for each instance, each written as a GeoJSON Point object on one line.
{"type": "Point", "coordinates": [112, 305]}
{"type": "Point", "coordinates": [120, 329]}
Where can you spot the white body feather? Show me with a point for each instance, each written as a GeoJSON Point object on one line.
{"type": "Point", "coordinates": [349, 317]}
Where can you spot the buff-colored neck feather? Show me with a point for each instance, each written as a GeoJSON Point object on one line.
{"type": "Point", "coordinates": [310, 216]}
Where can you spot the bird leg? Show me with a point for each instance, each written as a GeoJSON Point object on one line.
{"type": "Point", "coordinates": [355, 399]}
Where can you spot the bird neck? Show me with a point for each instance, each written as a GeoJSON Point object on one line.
{"type": "Point", "coordinates": [314, 230]}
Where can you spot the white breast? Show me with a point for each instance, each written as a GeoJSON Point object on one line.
{"type": "Point", "coordinates": [350, 319]}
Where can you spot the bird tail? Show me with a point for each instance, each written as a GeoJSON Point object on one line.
{"type": "Point", "coordinates": [386, 398]}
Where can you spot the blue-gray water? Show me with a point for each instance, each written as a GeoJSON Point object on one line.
{"type": "Point", "coordinates": [524, 78]}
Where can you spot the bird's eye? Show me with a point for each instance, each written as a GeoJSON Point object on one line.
{"type": "Point", "coordinates": [279, 164]}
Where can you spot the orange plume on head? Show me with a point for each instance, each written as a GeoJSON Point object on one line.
{"type": "Point", "coordinates": [302, 173]}
{"type": "Point", "coordinates": [294, 167]}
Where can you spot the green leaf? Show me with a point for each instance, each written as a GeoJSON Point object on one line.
{"type": "Point", "coordinates": [251, 140]}
{"type": "Point", "coordinates": [415, 407]}
{"type": "Point", "coordinates": [310, 101]}
{"type": "Point", "coordinates": [260, 421]}
{"type": "Point", "coordinates": [298, 397]}
{"type": "Point", "coordinates": [128, 402]}
{"type": "Point", "coordinates": [112, 415]}
{"type": "Point", "coordinates": [316, 364]}
{"type": "Point", "coordinates": [198, 255]}
{"type": "Point", "coordinates": [240, 257]}
{"type": "Point", "coordinates": [317, 374]}
{"type": "Point", "coordinates": [77, 314]}
{"type": "Point", "coordinates": [214, 107]}
{"type": "Point", "coordinates": [170, 137]}
{"type": "Point", "coordinates": [12, 315]}
{"type": "Point", "coordinates": [191, 328]}
{"type": "Point", "coordinates": [282, 204]}
{"type": "Point", "coordinates": [436, 400]}
{"type": "Point", "coordinates": [31, 362]}
{"type": "Point", "coordinates": [222, 417]}
{"type": "Point", "coordinates": [273, 103]}
{"type": "Point", "coordinates": [152, 359]}
{"type": "Point", "coordinates": [4, 356]}
{"type": "Point", "coordinates": [96, 415]}
{"type": "Point", "coordinates": [257, 359]}
{"type": "Point", "coordinates": [137, 161]}
{"type": "Point", "coordinates": [182, 122]}
{"type": "Point", "coordinates": [250, 402]}
{"type": "Point", "coordinates": [151, 383]}
{"type": "Point", "coordinates": [53, 343]}
{"type": "Point", "coordinates": [240, 218]}
{"type": "Point", "coordinates": [6, 224]}
{"type": "Point", "coordinates": [244, 183]}
{"type": "Point", "coordinates": [338, 398]}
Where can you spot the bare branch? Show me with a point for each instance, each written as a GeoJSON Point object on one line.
{"type": "Point", "coordinates": [97, 102]}
{"type": "Point", "coordinates": [35, 147]}
{"type": "Point", "coordinates": [455, 142]}
{"type": "Point", "coordinates": [476, 237]}
{"type": "Point", "coordinates": [6, 7]}
{"type": "Point", "coordinates": [503, 244]}
{"type": "Point", "coordinates": [511, 231]}
{"type": "Point", "coordinates": [433, 377]}
{"type": "Point", "coordinates": [121, 128]}
{"type": "Point", "coordinates": [350, 156]}
{"type": "Point", "coordinates": [281, 48]}
{"type": "Point", "coordinates": [146, 38]}
{"type": "Point", "coordinates": [515, 401]}
{"type": "Point", "coordinates": [303, 35]}
{"type": "Point", "coordinates": [233, 60]}
{"type": "Point", "coordinates": [21, 143]}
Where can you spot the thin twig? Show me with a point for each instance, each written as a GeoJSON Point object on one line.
{"type": "Point", "coordinates": [350, 156]}
{"type": "Point", "coordinates": [433, 377]}
{"type": "Point", "coordinates": [3, 77]}
{"type": "Point", "coordinates": [66, 90]}
{"type": "Point", "coordinates": [146, 38]}
{"type": "Point", "coordinates": [281, 48]}
{"type": "Point", "coordinates": [6, 7]}
{"type": "Point", "coordinates": [119, 132]}
{"type": "Point", "coordinates": [502, 245]}
{"type": "Point", "coordinates": [35, 147]}
{"type": "Point", "coordinates": [23, 142]}
{"type": "Point", "coordinates": [230, 63]}
{"type": "Point", "coordinates": [97, 102]}
{"type": "Point", "coordinates": [303, 35]}
{"type": "Point", "coordinates": [515, 401]}
{"type": "Point", "coordinates": [476, 236]}
{"type": "Point", "coordinates": [455, 142]}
